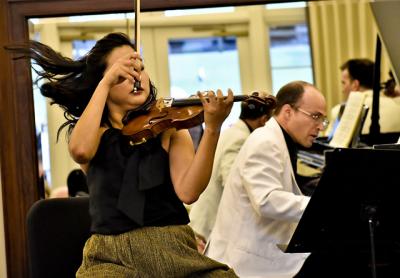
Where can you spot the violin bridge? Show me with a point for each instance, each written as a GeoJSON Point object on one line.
{"type": "Point", "coordinates": [168, 101]}
{"type": "Point", "coordinates": [164, 102]}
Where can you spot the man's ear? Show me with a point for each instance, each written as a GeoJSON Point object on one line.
{"type": "Point", "coordinates": [286, 111]}
{"type": "Point", "coordinates": [355, 85]}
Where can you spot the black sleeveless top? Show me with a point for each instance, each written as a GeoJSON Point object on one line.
{"type": "Point", "coordinates": [130, 187]}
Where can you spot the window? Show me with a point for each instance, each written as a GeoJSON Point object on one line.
{"type": "Point", "coordinates": [200, 64]}
{"type": "Point", "coordinates": [80, 48]}
{"type": "Point", "coordinates": [290, 55]}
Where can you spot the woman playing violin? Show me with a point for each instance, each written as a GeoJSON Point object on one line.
{"type": "Point", "coordinates": [139, 222]}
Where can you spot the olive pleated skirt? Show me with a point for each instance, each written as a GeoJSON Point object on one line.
{"type": "Point", "coordinates": [157, 252]}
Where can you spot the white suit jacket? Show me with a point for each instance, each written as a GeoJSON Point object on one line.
{"type": "Point", "coordinates": [203, 212]}
{"type": "Point", "coordinates": [260, 208]}
{"type": "Point", "coordinates": [389, 113]}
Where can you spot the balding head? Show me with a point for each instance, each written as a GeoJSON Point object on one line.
{"type": "Point", "coordinates": [301, 111]}
{"type": "Point", "coordinates": [290, 94]}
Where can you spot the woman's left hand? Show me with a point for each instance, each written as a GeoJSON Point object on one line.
{"type": "Point", "coordinates": [216, 108]}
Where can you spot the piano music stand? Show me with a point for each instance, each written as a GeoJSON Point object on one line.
{"type": "Point", "coordinates": [357, 185]}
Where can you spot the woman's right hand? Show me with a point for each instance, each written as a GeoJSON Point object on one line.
{"type": "Point", "coordinates": [127, 67]}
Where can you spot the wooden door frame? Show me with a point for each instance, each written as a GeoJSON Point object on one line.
{"type": "Point", "coordinates": [18, 153]}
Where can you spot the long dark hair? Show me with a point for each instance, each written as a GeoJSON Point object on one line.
{"type": "Point", "coordinates": [71, 83]}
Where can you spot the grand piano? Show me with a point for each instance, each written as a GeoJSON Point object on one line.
{"type": "Point", "coordinates": [350, 225]}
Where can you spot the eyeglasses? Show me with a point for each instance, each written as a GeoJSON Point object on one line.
{"type": "Point", "coordinates": [316, 117]}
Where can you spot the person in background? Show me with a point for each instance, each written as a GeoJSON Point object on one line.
{"type": "Point", "coordinates": [389, 108]}
{"type": "Point", "coordinates": [357, 75]}
{"type": "Point", "coordinates": [255, 112]}
{"type": "Point", "coordinates": [391, 89]}
{"type": "Point", "coordinates": [262, 204]}
{"type": "Point", "coordinates": [77, 184]}
{"type": "Point", "coordinates": [139, 223]}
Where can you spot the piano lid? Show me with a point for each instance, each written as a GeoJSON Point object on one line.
{"type": "Point", "coordinates": [387, 17]}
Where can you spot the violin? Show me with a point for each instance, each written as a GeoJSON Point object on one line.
{"type": "Point", "coordinates": [160, 115]}
{"type": "Point", "coordinates": [166, 113]}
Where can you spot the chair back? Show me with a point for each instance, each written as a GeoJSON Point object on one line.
{"type": "Point", "coordinates": [57, 231]}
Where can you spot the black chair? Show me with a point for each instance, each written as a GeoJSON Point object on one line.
{"type": "Point", "coordinates": [57, 231]}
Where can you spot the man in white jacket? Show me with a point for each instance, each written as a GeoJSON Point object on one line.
{"type": "Point", "coordinates": [255, 112]}
{"type": "Point", "coordinates": [262, 203]}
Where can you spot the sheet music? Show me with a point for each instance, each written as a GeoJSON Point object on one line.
{"type": "Point", "coordinates": [349, 120]}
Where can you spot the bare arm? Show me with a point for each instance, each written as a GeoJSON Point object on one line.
{"type": "Point", "coordinates": [191, 172]}
{"type": "Point", "coordinates": [87, 132]}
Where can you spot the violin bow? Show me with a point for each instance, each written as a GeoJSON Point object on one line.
{"type": "Point", "coordinates": [137, 84]}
